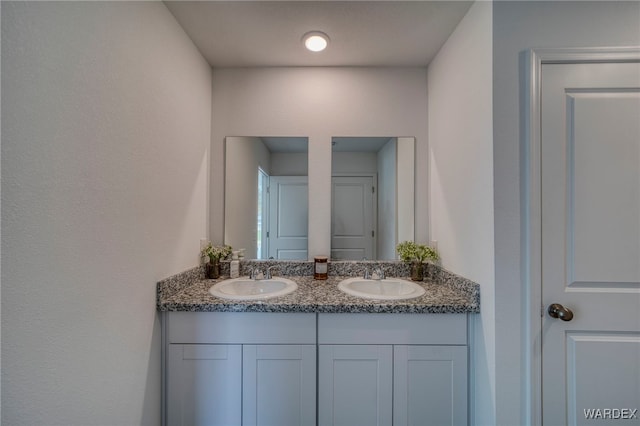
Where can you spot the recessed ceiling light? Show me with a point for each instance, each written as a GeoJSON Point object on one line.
{"type": "Point", "coordinates": [315, 41]}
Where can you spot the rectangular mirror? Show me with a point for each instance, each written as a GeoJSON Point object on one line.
{"type": "Point", "coordinates": [372, 196]}
{"type": "Point", "coordinates": [266, 196]}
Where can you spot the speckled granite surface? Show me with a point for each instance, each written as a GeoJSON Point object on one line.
{"type": "Point", "coordinates": [445, 292]}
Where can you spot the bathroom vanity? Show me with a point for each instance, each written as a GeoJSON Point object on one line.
{"type": "Point", "coordinates": [316, 356]}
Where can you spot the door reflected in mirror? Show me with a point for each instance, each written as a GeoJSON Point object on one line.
{"type": "Point", "coordinates": [372, 196]}
{"type": "Point", "coordinates": [266, 196]}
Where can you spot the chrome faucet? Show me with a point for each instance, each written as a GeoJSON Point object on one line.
{"type": "Point", "coordinates": [380, 273]}
{"type": "Point", "coordinates": [253, 273]}
{"type": "Point", "coordinates": [367, 273]}
{"type": "Point", "coordinates": [267, 272]}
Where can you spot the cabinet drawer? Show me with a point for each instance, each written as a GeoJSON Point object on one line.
{"type": "Point", "coordinates": [241, 327]}
{"type": "Point", "coordinates": [392, 329]}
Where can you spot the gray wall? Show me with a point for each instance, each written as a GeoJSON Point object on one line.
{"type": "Point", "coordinates": [519, 26]}
{"type": "Point", "coordinates": [106, 113]}
{"type": "Point", "coordinates": [461, 180]}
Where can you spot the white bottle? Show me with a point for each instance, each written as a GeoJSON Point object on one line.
{"type": "Point", "coordinates": [234, 269]}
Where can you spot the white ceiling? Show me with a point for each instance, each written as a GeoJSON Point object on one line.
{"type": "Point", "coordinates": [362, 33]}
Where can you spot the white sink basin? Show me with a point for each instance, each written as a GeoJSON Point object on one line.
{"type": "Point", "coordinates": [247, 289]}
{"type": "Point", "coordinates": [387, 289]}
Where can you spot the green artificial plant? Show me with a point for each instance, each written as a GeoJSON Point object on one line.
{"type": "Point", "coordinates": [410, 251]}
{"type": "Point", "coordinates": [215, 252]}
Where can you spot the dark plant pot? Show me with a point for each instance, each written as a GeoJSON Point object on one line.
{"type": "Point", "coordinates": [212, 269]}
{"type": "Point", "coordinates": [417, 271]}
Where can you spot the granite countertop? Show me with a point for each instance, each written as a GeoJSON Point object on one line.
{"type": "Point", "coordinates": [445, 293]}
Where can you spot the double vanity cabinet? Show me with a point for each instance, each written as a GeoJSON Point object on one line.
{"type": "Point", "coordinates": [317, 356]}
{"type": "Point", "coordinates": [298, 368]}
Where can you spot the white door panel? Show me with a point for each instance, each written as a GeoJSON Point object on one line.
{"type": "Point", "coordinates": [352, 214]}
{"type": "Point", "coordinates": [590, 186]}
{"type": "Point", "coordinates": [288, 217]}
{"type": "Point", "coordinates": [592, 352]}
{"type": "Point", "coordinates": [603, 156]}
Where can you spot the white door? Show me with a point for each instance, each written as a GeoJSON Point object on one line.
{"type": "Point", "coordinates": [279, 385]}
{"type": "Point", "coordinates": [590, 186]}
{"type": "Point", "coordinates": [352, 217]}
{"type": "Point", "coordinates": [288, 217]}
{"type": "Point", "coordinates": [355, 385]}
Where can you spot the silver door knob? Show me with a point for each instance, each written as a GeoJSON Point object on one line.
{"type": "Point", "coordinates": [556, 310]}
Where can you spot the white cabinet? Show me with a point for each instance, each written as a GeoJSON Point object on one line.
{"type": "Point", "coordinates": [233, 369]}
{"type": "Point", "coordinates": [279, 385]}
{"type": "Point", "coordinates": [429, 385]}
{"type": "Point", "coordinates": [387, 369]}
{"type": "Point", "coordinates": [204, 385]}
{"type": "Point", "coordinates": [355, 385]}
{"type": "Point", "coordinates": [260, 369]}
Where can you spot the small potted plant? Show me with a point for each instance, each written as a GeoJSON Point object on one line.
{"type": "Point", "coordinates": [211, 256]}
{"type": "Point", "coordinates": [416, 254]}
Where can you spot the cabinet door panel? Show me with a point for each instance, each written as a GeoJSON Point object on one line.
{"type": "Point", "coordinates": [355, 385]}
{"type": "Point", "coordinates": [279, 385]}
{"type": "Point", "coordinates": [204, 385]}
{"type": "Point", "coordinates": [430, 385]}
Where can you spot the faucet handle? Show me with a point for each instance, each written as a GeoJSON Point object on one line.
{"type": "Point", "coordinates": [380, 273]}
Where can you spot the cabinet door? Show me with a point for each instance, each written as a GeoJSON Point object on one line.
{"type": "Point", "coordinates": [355, 385]}
{"type": "Point", "coordinates": [430, 385]}
{"type": "Point", "coordinates": [203, 385]}
{"type": "Point", "coordinates": [279, 385]}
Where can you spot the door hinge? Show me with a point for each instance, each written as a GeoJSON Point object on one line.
{"type": "Point", "coordinates": [268, 189]}
{"type": "Point", "coordinates": [373, 189]}
{"type": "Point", "coordinates": [267, 234]}
{"type": "Point", "coordinates": [373, 233]}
